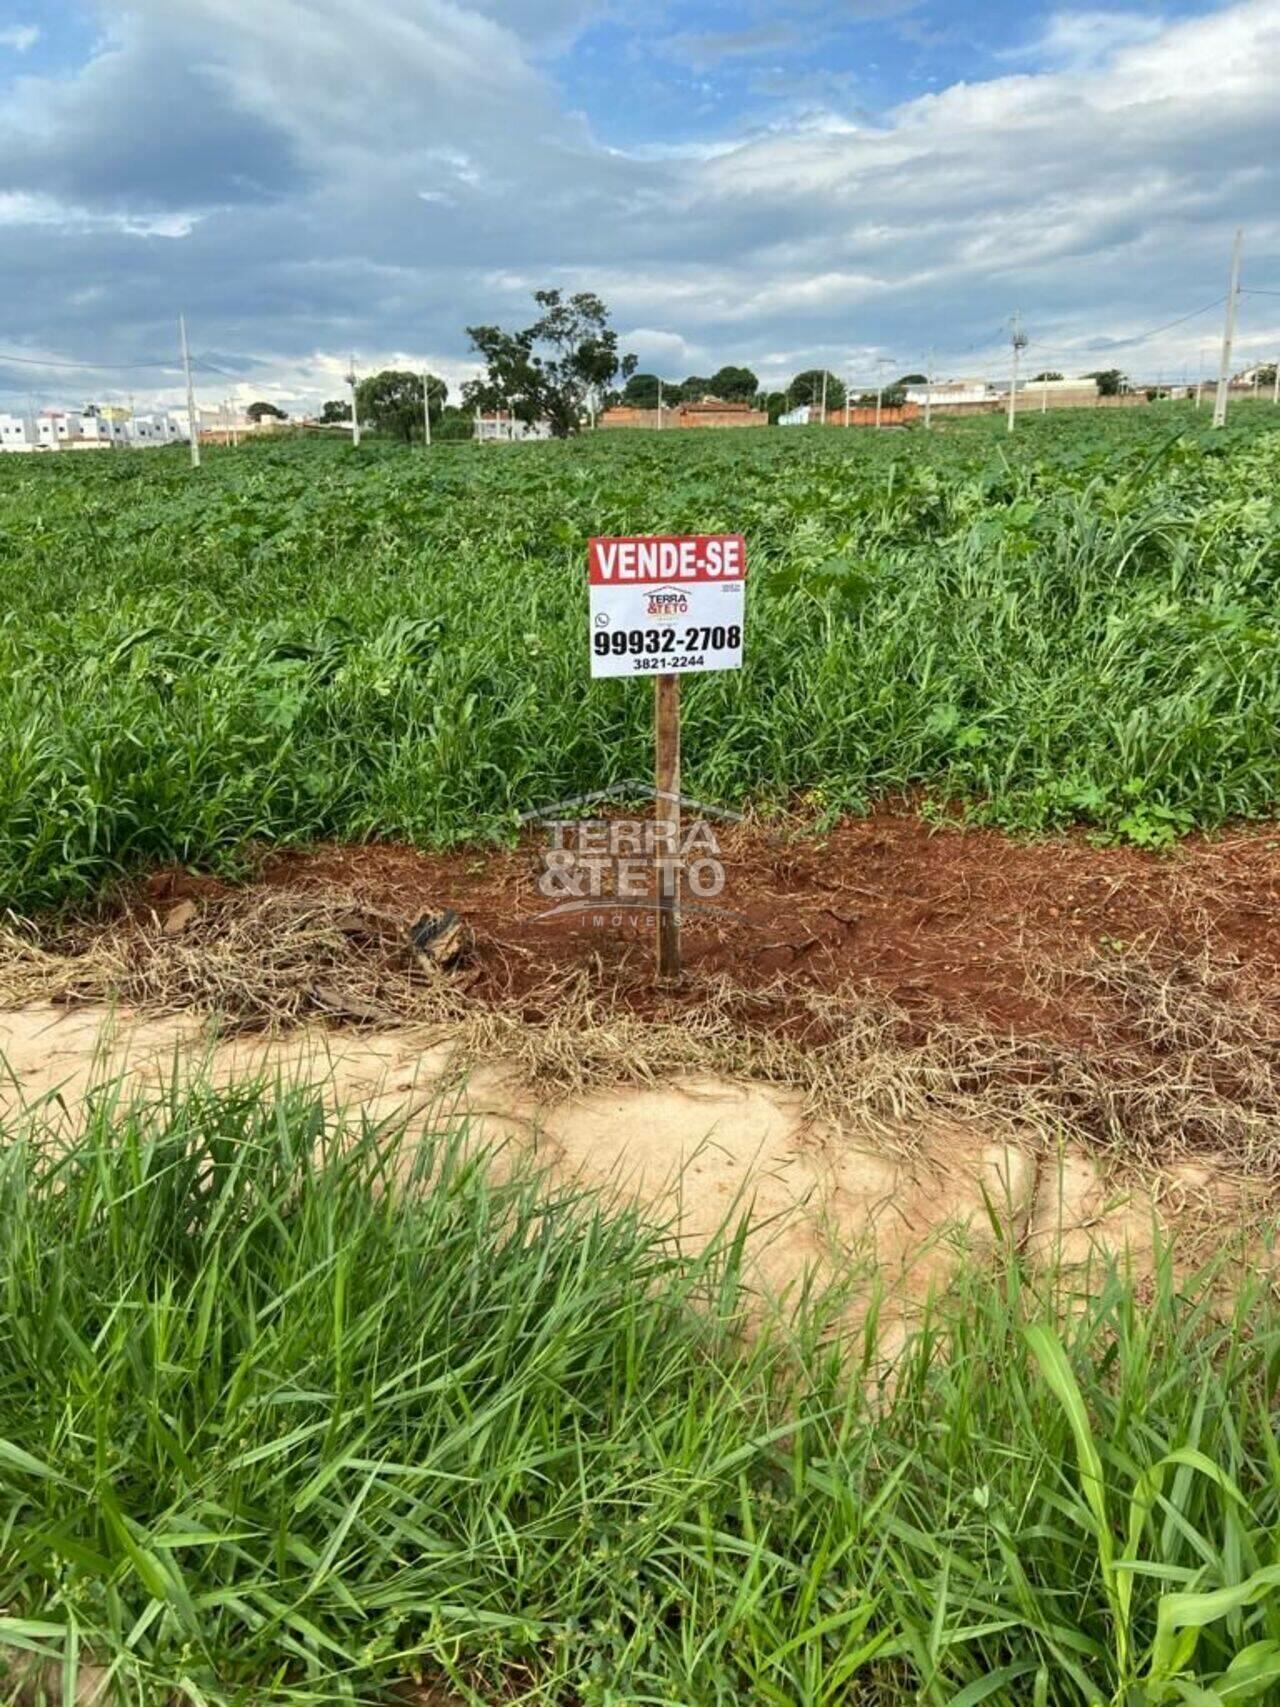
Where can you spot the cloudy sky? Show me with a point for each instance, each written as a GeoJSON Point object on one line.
{"type": "Point", "coordinates": [780, 182]}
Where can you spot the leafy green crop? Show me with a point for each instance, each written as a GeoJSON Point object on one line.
{"type": "Point", "coordinates": [304, 641]}
{"type": "Point", "coordinates": [291, 1410]}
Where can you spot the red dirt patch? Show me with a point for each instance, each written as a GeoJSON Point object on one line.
{"type": "Point", "coordinates": [962, 925]}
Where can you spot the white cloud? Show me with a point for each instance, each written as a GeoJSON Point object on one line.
{"type": "Point", "coordinates": [1078, 40]}
{"type": "Point", "coordinates": [21, 38]}
{"type": "Point", "coordinates": [385, 211]}
{"type": "Point", "coordinates": [22, 208]}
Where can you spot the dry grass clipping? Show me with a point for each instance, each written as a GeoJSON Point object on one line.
{"type": "Point", "coordinates": [1200, 1074]}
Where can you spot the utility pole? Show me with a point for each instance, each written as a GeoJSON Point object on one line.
{"type": "Point", "coordinates": [928, 395]}
{"type": "Point", "coordinates": [426, 410]}
{"type": "Point", "coordinates": [1228, 334]}
{"type": "Point", "coordinates": [1020, 342]}
{"type": "Point", "coordinates": [824, 397]}
{"type": "Point", "coordinates": [1200, 378]}
{"type": "Point", "coordinates": [659, 405]}
{"type": "Point", "coordinates": [1275, 383]}
{"type": "Point", "coordinates": [848, 389]}
{"type": "Point", "coordinates": [1044, 393]}
{"type": "Point", "coordinates": [355, 408]}
{"type": "Point", "coordinates": [193, 426]}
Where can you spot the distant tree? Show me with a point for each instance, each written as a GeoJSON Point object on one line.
{"type": "Point", "coordinates": [775, 403]}
{"type": "Point", "coordinates": [1042, 378]}
{"type": "Point", "coordinates": [1267, 374]}
{"type": "Point", "coordinates": [334, 410]}
{"type": "Point", "coordinates": [734, 384]}
{"type": "Point", "coordinates": [641, 391]}
{"type": "Point", "coordinates": [552, 368]}
{"type": "Point", "coordinates": [806, 387]}
{"type": "Point", "coordinates": [453, 423]}
{"type": "Point", "coordinates": [914, 379]}
{"type": "Point", "coordinates": [392, 401]}
{"type": "Point", "coordinates": [695, 388]}
{"type": "Point", "coordinates": [1111, 381]}
{"type": "Point", "coordinates": [256, 411]}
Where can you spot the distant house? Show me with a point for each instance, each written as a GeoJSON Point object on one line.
{"type": "Point", "coordinates": [798, 417]}
{"type": "Point", "coordinates": [18, 433]}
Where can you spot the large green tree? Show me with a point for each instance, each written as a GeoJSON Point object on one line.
{"type": "Point", "coordinates": [735, 384]}
{"type": "Point", "coordinates": [1111, 381]}
{"type": "Point", "coordinates": [806, 387]}
{"type": "Point", "coordinates": [392, 402]}
{"type": "Point", "coordinates": [551, 369]}
{"type": "Point", "coordinates": [335, 410]}
{"type": "Point", "coordinates": [641, 391]}
{"type": "Point", "coordinates": [256, 411]}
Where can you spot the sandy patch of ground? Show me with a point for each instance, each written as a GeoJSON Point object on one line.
{"type": "Point", "coordinates": [700, 1147]}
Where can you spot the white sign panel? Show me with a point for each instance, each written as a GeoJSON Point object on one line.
{"type": "Point", "coordinates": [667, 606]}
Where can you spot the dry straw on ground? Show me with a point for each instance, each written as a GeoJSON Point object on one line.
{"type": "Point", "coordinates": [1198, 1072]}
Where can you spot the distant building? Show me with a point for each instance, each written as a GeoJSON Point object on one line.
{"type": "Point", "coordinates": [1057, 394]}
{"type": "Point", "coordinates": [866, 415]}
{"type": "Point", "coordinates": [952, 394]}
{"type": "Point", "coordinates": [157, 429]}
{"type": "Point", "coordinates": [706, 412]}
{"type": "Point", "coordinates": [91, 428]}
{"type": "Point", "coordinates": [625, 415]}
{"type": "Point", "coordinates": [798, 417]}
{"type": "Point", "coordinates": [503, 427]}
{"type": "Point", "coordinates": [714, 412]}
{"type": "Point", "coordinates": [18, 432]}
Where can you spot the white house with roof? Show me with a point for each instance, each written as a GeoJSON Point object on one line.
{"type": "Point", "coordinates": [18, 432]}
{"type": "Point", "coordinates": [91, 429]}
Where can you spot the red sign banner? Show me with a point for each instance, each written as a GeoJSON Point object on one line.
{"type": "Point", "coordinates": [649, 558]}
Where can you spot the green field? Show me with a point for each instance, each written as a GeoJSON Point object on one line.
{"type": "Point", "coordinates": [303, 641]}
{"type": "Point", "coordinates": [293, 1412]}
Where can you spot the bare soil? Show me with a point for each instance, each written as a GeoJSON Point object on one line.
{"type": "Point", "coordinates": [966, 926]}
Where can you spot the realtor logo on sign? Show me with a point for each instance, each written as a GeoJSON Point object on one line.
{"type": "Point", "coordinates": [667, 606]}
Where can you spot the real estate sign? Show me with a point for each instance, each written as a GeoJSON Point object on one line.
{"type": "Point", "coordinates": [667, 606]}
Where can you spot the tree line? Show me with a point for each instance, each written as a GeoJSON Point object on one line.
{"type": "Point", "coordinates": [565, 367]}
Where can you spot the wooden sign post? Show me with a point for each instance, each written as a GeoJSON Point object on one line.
{"type": "Point", "coordinates": [667, 608]}
{"type": "Point", "coordinates": [666, 741]}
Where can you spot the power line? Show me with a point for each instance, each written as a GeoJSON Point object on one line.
{"type": "Point", "coordinates": [83, 367]}
{"type": "Point", "coordinates": [1138, 338]}
{"type": "Point", "coordinates": [212, 367]}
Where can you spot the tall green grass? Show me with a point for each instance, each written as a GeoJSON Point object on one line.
{"type": "Point", "coordinates": [294, 1410]}
{"type": "Point", "coordinates": [305, 641]}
